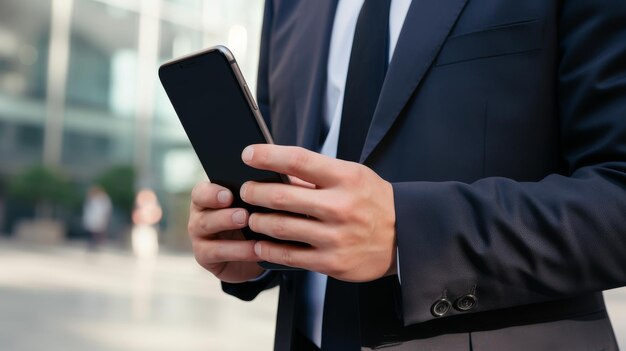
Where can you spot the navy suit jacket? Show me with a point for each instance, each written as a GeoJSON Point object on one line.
{"type": "Point", "coordinates": [502, 127]}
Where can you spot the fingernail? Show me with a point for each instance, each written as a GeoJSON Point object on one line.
{"type": "Point", "coordinates": [223, 196]}
{"type": "Point", "coordinates": [239, 217]}
{"type": "Point", "coordinates": [247, 154]}
{"type": "Point", "coordinates": [257, 248]}
{"type": "Point", "coordinates": [242, 192]}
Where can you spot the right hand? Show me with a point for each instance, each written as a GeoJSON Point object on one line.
{"type": "Point", "coordinates": [215, 231]}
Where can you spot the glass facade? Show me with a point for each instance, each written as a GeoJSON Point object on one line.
{"type": "Point", "coordinates": [79, 89]}
{"type": "Point", "coordinates": [23, 70]}
{"type": "Point", "coordinates": [101, 88]}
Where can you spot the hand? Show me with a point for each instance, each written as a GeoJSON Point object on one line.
{"type": "Point", "coordinates": [218, 243]}
{"type": "Point", "coordinates": [351, 217]}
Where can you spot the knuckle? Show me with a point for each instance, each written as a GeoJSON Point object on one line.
{"type": "Point", "coordinates": [278, 199]}
{"type": "Point", "coordinates": [279, 227]}
{"type": "Point", "coordinates": [323, 209]}
{"type": "Point", "coordinates": [211, 222]}
{"type": "Point", "coordinates": [344, 207]}
{"type": "Point", "coordinates": [286, 257]}
{"type": "Point", "coordinates": [204, 225]}
{"type": "Point", "coordinates": [215, 254]}
{"type": "Point", "coordinates": [335, 267]}
{"type": "Point", "coordinates": [298, 159]}
{"type": "Point", "coordinates": [202, 254]}
{"type": "Point", "coordinates": [196, 225]}
{"type": "Point", "coordinates": [325, 265]}
{"type": "Point", "coordinates": [197, 256]}
{"type": "Point", "coordinates": [196, 190]}
{"type": "Point", "coordinates": [356, 175]}
{"type": "Point", "coordinates": [334, 237]}
{"type": "Point", "coordinates": [191, 228]}
{"type": "Point", "coordinates": [356, 216]}
{"type": "Point", "coordinates": [199, 191]}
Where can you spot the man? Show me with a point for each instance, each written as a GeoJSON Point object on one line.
{"type": "Point", "coordinates": [483, 207]}
{"type": "Point", "coordinates": [97, 211]}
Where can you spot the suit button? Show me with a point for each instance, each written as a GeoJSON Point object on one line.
{"type": "Point", "coordinates": [440, 307]}
{"type": "Point", "coordinates": [466, 302]}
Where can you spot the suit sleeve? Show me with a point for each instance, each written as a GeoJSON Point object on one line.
{"type": "Point", "coordinates": [515, 243]}
{"type": "Point", "coordinates": [249, 290]}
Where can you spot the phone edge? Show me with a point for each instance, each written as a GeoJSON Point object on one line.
{"type": "Point", "coordinates": [246, 91]}
{"type": "Point", "coordinates": [230, 58]}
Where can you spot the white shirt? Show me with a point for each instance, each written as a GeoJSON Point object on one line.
{"type": "Point", "coordinates": [338, 60]}
{"type": "Point", "coordinates": [97, 212]}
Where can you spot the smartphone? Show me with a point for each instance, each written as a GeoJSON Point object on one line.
{"type": "Point", "coordinates": [219, 115]}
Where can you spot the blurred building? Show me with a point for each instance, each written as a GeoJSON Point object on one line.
{"type": "Point", "coordinates": [79, 88]}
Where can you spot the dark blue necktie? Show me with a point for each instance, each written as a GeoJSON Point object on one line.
{"type": "Point", "coordinates": [366, 73]}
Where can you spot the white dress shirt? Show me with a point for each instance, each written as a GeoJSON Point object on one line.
{"type": "Point", "coordinates": [338, 60]}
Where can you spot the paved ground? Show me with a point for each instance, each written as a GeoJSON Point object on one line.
{"type": "Point", "coordinates": [67, 299]}
{"type": "Point", "coordinates": [616, 303]}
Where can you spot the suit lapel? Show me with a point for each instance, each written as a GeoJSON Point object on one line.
{"type": "Point", "coordinates": [427, 24]}
{"type": "Point", "coordinates": [315, 22]}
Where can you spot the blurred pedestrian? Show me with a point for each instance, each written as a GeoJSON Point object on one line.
{"type": "Point", "coordinates": [96, 215]}
{"type": "Point", "coordinates": [146, 215]}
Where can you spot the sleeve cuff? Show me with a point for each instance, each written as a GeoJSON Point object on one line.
{"type": "Point", "coordinates": [261, 276]}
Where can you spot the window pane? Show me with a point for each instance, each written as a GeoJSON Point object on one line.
{"type": "Point", "coordinates": [103, 58]}
{"type": "Point", "coordinates": [24, 38]}
{"type": "Point", "coordinates": [101, 91]}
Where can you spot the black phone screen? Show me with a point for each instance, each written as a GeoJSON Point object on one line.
{"type": "Point", "coordinates": [219, 121]}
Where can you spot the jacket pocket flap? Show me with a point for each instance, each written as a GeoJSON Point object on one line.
{"type": "Point", "coordinates": [496, 41]}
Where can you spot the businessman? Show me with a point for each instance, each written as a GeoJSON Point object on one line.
{"type": "Point", "coordinates": [461, 165]}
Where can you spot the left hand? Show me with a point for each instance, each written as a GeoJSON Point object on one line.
{"type": "Point", "coordinates": [351, 217]}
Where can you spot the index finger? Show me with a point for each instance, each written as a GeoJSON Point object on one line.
{"type": "Point", "coordinates": [208, 195]}
{"type": "Point", "coordinates": [293, 161]}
